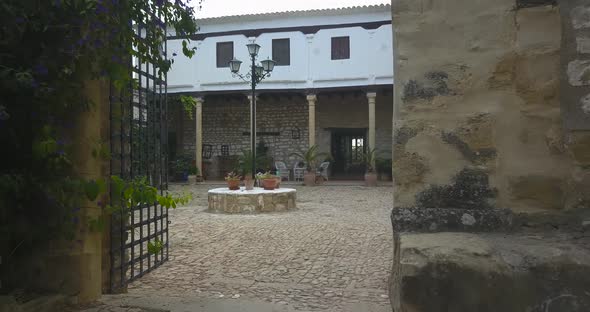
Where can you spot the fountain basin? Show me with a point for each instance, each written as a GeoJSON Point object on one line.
{"type": "Point", "coordinates": [258, 200]}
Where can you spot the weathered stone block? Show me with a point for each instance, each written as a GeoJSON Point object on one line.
{"type": "Point", "coordinates": [474, 139]}
{"type": "Point", "coordinates": [544, 192]}
{"type": "Point", "coordinates": [578, 145]}
{"type": "Point", "coordinates": [534, 3]}
{"type": "Point", "coordinates": [412, 168]}
{"type": "Point", "coordinates": [536, 79]}
{"type": "Point", "coordinates": [444, 219]}
{"type": "Point", "coordinates": [581, 17]}
{"type": "Point", "coordinates": [470, 189]}
{"type": "Point", "coordinates": [503, 74]}
{"type": "Point", "coordinates": [578, 72]}
{"type": "Point", "coordinates": [538, 27]}
{"type": "Point", "coordinates": [463, 272]}
{"type": "Point", "coordinates": [583, 45]}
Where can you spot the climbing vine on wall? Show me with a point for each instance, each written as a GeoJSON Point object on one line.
{"type": "Point", "coordinates": [48, 50]}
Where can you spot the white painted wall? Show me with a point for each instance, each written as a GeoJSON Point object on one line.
{"type": "Point", "coordinates": [311, 66]}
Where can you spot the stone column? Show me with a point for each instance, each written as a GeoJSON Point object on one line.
{"type": "Point", "coordinates": [372, 96]}
{"type": "Point", "coordinates": [80, 270]}
{"type": "Point", "coordinates": [311, 100]}
{"type": "Point", "coordinates": [199, 135]}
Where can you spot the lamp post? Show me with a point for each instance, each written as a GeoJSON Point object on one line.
{"type": "Point", "coordinates": [256, 74]}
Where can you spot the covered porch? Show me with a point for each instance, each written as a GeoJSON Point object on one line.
{"type": "Point", "coordinates": [343, 122]}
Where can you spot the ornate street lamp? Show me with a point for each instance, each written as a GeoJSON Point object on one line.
{"type": "Point", "coordinates": [256, 74]}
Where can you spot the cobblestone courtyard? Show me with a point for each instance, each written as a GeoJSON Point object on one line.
{"type": "Point", "coordinates": [333, 254]}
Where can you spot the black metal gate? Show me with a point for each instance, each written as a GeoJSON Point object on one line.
{"type": "Point", "coordinates": [139, 151]}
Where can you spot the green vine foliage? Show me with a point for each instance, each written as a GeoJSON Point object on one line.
{"type": "Point", "coordinates": [49, 49]}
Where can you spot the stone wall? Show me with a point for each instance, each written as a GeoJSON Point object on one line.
{"type": "Point", "coordinates": [227, 118]}
{"type": "Point", "coordinates": [479, 97]}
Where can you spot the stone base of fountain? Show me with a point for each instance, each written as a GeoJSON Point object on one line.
{"type": "Point", "coordinates": [258, 200]}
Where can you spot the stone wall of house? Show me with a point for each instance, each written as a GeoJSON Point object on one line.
{"type": "Point", "coordinates": [484, 93]}
{"type": "Point", "coordinates": [227, 118]}
{"type": "Point", "coordinates": [226, 121]}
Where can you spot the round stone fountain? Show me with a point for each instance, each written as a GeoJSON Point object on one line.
{"type": "Point", "coordinates": [257, 200]}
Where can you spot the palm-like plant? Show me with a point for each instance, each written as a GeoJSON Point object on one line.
{"type": "Point", "coordinates": [245, 163]}
{"type": "Point", "coordinates": [310, 157]}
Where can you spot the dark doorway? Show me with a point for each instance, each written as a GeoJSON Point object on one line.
{"type": "Point", "coordinates": [348, 148]}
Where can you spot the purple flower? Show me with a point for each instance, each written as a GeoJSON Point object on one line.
{"type": "Point", "coordinates": [35, 84]}
{"type": "Point", "coordinates": [41, 70]}
{"type": "Point", "coordinates": [76, 209]}
{"type": "Point", "coordinates": [159, 2]}
{"type": "Point", "coordinates": [100, 9]}
{"type": "Point", "coordinates": [97, 43]}
{"type": "Point", "coordinates": [19, 20]}
{"type": "Point", "coordinates": [61, 142]}
{"type": "Point", "coordinates": [75, 220]}
{"type": "Point", "coordinates": [82, 41]}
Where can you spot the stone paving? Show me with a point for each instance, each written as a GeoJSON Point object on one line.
{"type": "Point", "coordinates": [332, 254]}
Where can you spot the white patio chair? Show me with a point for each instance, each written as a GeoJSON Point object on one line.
{"type": "Point", "coordinates": [323, 170]}
{"type": "Point", "coordinates": [283, 170]}
{"type": "Point", "coordinates": [298, 172]}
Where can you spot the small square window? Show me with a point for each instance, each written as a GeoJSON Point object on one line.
{"type": "Point", "coordinates": [225, 53]}
{"type": "Point", "coordinates": [340, 48]}
{"type": "Point", "coordinates": [281, 52]}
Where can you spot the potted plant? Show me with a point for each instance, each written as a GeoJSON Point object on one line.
{"type": "Point", "coordinates": [233, 181]}
{"type": "Point", "coordinates": [193, 174]}
{"type": "Point", "coordinates": [310, 157]}
{"type": "Point", "coordinates": [369, 160]}
{"type": "Point", "coordinates": [269, 181]}
{"type": "Point", "coordinates": [181, 168]}
{"type": "Point", "coordinates": [245, 165]}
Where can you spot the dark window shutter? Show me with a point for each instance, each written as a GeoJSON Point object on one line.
{"type": "Point", "coordinates": [340, 48]}
{"type": "Point", "coordinates": [225, 53]}
{"type": "Point", "coordinates": [281, 52]}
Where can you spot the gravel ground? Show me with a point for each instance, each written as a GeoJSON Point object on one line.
{"type": "Point", "coordinates": [332, 254]}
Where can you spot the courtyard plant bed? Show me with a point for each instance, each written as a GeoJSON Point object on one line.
{"type": "Point", "coordinates": [310, 158]}
{"type": "Point", "coordinates": [269, 181]}
{"type": "Point", "coordinates": [233, 181]}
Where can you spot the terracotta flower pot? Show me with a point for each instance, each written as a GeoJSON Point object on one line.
{"type": "Point", "coordinates": [233, 185]}
{"type": "Point", "coordinates": [371, 179]}
{"type": "Point", "coordinates": [309, 179]}
{"type": "Point", "coordinates": [269, 184]}
{"type": "Point", "coordinates": [249, 182]}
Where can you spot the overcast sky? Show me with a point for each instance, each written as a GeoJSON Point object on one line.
{"type": "Point", "coordinates": [214, 8]}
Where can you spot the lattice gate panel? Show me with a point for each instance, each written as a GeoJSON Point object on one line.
{"type": "Point", "coordinates": [139, 151]}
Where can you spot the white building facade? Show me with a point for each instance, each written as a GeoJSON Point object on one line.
{"type": "Point", "coordinates": [331, 87]}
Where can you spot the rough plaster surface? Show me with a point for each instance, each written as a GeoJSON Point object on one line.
{"type": "Point", "coordinates": [499, 108]}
